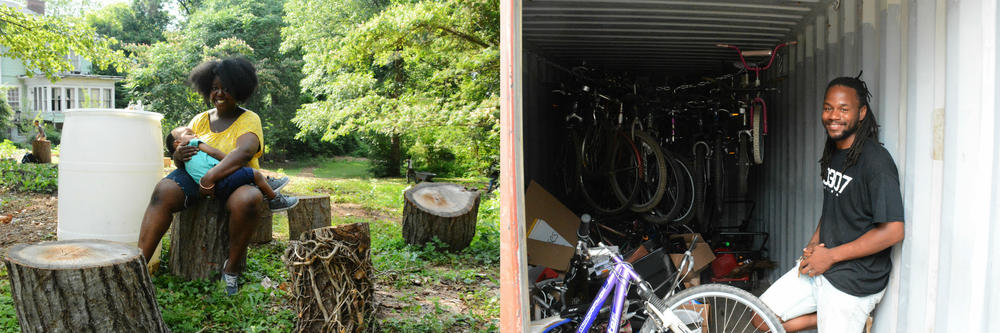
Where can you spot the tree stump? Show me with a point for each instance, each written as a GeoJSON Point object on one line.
{"type": "Point", "coordinates": [82, 286]}
{"type": "Point", "coordinates": [445, 210]}
{"type": "Point", "coordinates": [42, 150]}
{"type": "Point", "coordinates": [331, 279]}
{"type": "Point", "coordinates": [312, 212]}
{"type": "Point", "coordinates": [264, 231]}
{"type": "Point", "coordinates": [199, 240]}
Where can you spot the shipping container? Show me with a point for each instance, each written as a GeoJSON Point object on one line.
{"type": "Point", "coordinates": [932, 68]}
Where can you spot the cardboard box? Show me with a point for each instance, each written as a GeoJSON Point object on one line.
{"type": "Point", "coordinates": [551, 229]}
{"type": "Point", "coordinates": [702, 253]}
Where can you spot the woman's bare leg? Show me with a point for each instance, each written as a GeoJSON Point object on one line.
{"type": "Point", "coordinates": [243, 206]}
{"type": "Point", "coordinates": [167, 198]}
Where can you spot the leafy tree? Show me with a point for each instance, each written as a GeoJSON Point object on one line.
{"type": "Point", "coordinates": [221, 28]}
{"type": "Point", "coordinates": [5, 114]}
{"type": "Point", "coordinates": [42, 43]}
{"type": "Point", "coordinates": [428, 69]}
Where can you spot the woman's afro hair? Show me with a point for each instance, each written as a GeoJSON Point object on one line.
{"type": "Point", "coordinates": [237, 75]}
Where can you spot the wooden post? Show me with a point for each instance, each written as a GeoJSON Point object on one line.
{"type": "Point", "coordinates": [42, 150]}
{"type": "Point", "coordinates": [199, 240]}
{"type": "Point", "coordinates": [447, 211]}
{"type": "Point", "coordinates": [82, 286]}
{"type": "Point", "coordinates": [312, 212]}
{"type": "Point", "coordinates": [331, 279]}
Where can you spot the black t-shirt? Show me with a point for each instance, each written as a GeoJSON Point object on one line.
{"type": "Point", "coordinates": [854, 200]}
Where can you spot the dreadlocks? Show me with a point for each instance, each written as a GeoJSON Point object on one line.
{"type": "Point", "coordinates": [867, 128]}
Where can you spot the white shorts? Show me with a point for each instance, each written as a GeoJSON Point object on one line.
{"type": "Point", "coordinates": [793, 296]}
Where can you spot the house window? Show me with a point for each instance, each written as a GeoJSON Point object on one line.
{"type": "Point", "coordinates": [56, 99]}
{"type": "Point", "coordinates": [95, 97]}
{"type": "Point", "coordinates": [107, 98]}
{"type": "Point", "coordinates": [14, 98]}
{"type": "Point", "coordinates": [69, 98]}
{"type": "Point", "coordinates": [80, 100]}
{"type": "Point", "coordinates": [40, 98]}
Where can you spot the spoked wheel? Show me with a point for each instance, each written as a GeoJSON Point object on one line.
{"type": "Point", "coordinates": [701, 172]}
{"type": "Point", "coordinates": [686, 213]}
{"type": "Point", "coordinates": [652, 171]}
{"type": "Point", "coordinates": [719, 308]}
{"type": "Point", "coordinates": [756, 113]}
{"type": "Point", "coordinates": [676, 198]}
{"type": "Point", "coordinates": [718, 179]}
{"type": "Point", "coordinates": [743, 164]}
{"type": "Point", "coordinates": [608, 162]}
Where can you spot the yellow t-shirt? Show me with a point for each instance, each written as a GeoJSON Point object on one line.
{"type": "Point", "coordinates": [248, 122]}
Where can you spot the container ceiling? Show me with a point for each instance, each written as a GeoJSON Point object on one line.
{"type": "Point", "coordinates": [657, 35]}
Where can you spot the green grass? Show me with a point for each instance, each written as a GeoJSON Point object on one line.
{"type": "Point", "coordinates": [327, 167]}
{"type": "Point", "coordinates": [404, 271]}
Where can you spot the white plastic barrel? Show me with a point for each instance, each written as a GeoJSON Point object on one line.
{"type": "Point", "coordinates": [109, 162]}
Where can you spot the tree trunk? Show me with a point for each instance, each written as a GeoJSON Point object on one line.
{"type": "Point", "coordinates": [263, 233]}
{"type": "Point", "coordinates": [395, 155]}
{"type": "Point", "coordinates": [312, 212]}
{"type": "Point", "coordinates": [331, 279]}
{"type": "Point", "coordinates": [42, 150]}
{"type": "Point", "coordinates": [447, 211]}
{"type": "Point", "coordinates": [82, 286]}
{"type": "Point", "coordinates": [199, 240]}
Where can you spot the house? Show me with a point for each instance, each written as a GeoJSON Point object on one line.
{"type": "Point", "coordinates": [36, 97]}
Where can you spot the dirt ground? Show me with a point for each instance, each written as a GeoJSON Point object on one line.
{"type": "Point", "coordinates": [27, 218]}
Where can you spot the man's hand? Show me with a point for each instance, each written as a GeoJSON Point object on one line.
{"type": "Point", "coordinates": [808, 250]}
{"type": "Point", "coordinates": [817, 261]}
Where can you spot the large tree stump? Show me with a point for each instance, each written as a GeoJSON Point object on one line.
{"type": "Point", "coordinates": [42, 149]}
{"type": "Point", "coordinates": [263, 233]}
{"type": "Point", "coordinates": [82, 286]}
{"type": "Point", "coordinates": [199, 240]}
{"type": "Point", "coordinates": [312, 212]}
{"type": "Point", "coordinates": [331, 279]}
{"type": "Point", "coordinates": [447, 211]}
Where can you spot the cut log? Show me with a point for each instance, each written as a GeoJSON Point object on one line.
{"type": "Point", "coordinates": [331, 279]}
{"type": "Point", "coordinates": [42, 150]}
{"type": "Point", "coordinates": [199, 240]}
{"type": "Point", "coordinates": [82, 286]}
{"type": "Point", "coordinates": [263, 233]}
{"type": "Point", "coordinates": [312, 212]}
{"type": "Point", "coordinates": [447, 211]}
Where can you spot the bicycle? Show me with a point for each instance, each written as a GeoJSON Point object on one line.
{"type": "Point", "coordinates": [689, 311]}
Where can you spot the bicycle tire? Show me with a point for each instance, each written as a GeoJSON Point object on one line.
{"type": "Point", "coordinates": [744, 307]}
{"type": "Point", "coordinates": [687, 209]}
{"type": "Point", "coordinates": [594, 170]}
{"type": "Point", "coordinates": [758, 154]}
{"type": "Point", "coordinates": [701, 183]}
{"type": "Point", "coordinates": [652, 171]}
{"type": "Point", "coordinates": [670, 205]}
{"type": "Point", "coordinates": [743, 165]}
{"type": "Point", "coordinates": [718, 180]}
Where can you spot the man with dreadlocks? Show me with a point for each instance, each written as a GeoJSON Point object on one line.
{"type": "Point", "coordinates": [844, 269]}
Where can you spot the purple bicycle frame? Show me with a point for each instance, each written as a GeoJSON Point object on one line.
{"type": "Point", "coordinates": [618, 280]}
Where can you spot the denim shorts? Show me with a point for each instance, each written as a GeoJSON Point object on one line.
{"type": "Point", "coordinates": [223, 189]}
{"type": "Point", "coordinates": [187, 184]}
{"type": "Point", "coordinates": [226, 186]}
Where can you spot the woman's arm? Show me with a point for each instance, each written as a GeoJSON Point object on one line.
{"type": "Point", "coordinates": [212, 151]}
{"type": "Point", "coordinates": [246, 146]}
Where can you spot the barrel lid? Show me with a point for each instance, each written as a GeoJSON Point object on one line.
{"type": "Point", "coordinates": [112, 112]}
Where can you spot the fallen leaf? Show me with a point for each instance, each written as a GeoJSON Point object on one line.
{"type": "Point", "coordinates": [6, 219]}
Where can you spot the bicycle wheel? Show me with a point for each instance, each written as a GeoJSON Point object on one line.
{"type": "Point", "coordinates": [719, 308]}
{"type": "Point", "coordinates": [652, 171]}
{"type": "Point", "coordinates": [719, 181]}
{"type": "Point", "coordinates": [743, 165]}
{"type": "Point", "coordinates": [595, 167]}
{"type": "Point", "coordinates": [758, 154]}
{"type": "Point", "coordinates": [691, 199]}
{"type": "Point", "coordinates": [701, 183]}
{"type": "Point", "coordinates": [674, 196]}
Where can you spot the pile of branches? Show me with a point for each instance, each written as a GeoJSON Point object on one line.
{"type": "Point", "coordinates": [331, 276]}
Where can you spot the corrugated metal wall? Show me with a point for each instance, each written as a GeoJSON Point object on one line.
{"type": "Point", "coordinates": [932, 67]}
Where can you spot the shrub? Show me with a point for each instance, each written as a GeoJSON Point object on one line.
{"type": "Point", "coordinates": [39, 178]}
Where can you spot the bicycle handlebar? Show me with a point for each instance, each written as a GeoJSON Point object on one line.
{"type": "Point", "coordinates": [757, 53]}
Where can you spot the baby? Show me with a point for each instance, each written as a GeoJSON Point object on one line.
{"type": "Point", "coordinates": [207, 157]}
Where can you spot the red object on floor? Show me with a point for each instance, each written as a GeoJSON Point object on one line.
{"type": "Point", "coordinates": [723, 263]}
{"type": "Point", "coordinates": [547, 273]}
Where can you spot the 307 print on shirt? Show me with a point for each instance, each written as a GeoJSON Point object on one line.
{"type": "Point", "coordinates": [836, 181]}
